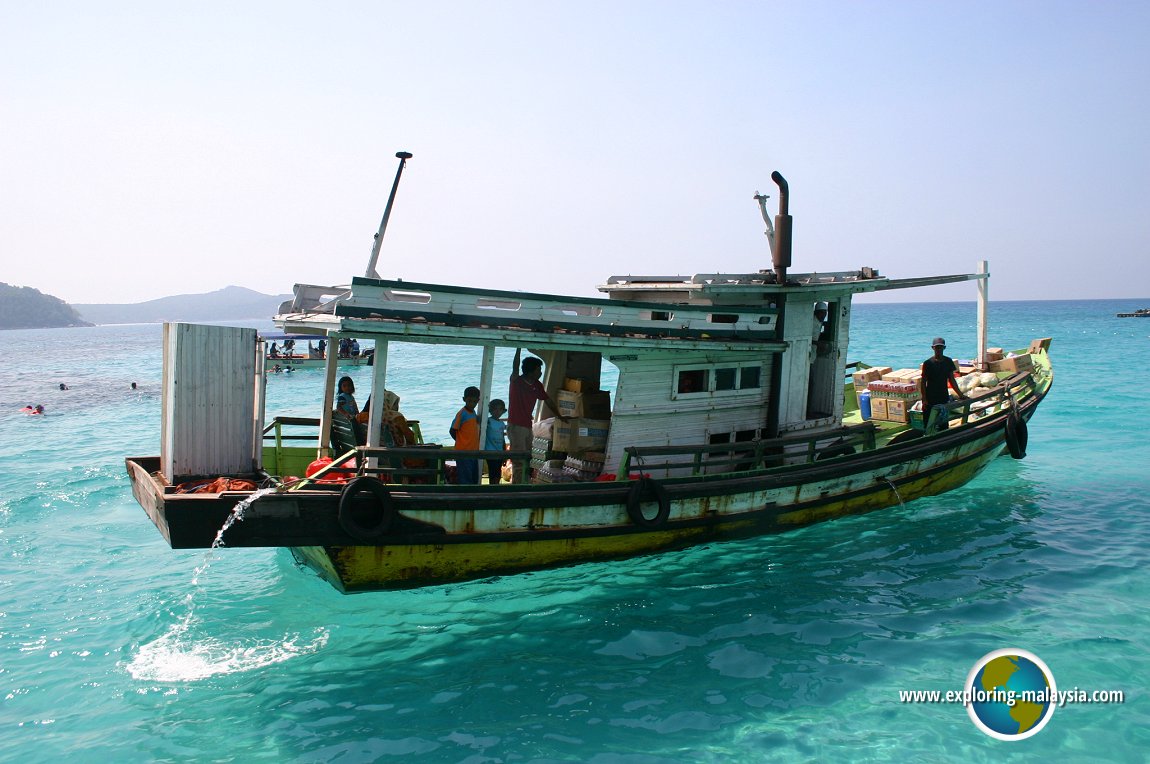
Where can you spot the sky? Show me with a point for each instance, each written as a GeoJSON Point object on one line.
{"type": "Point", "coordinates": [157, 148]}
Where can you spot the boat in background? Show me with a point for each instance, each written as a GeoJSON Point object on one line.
{"type": "Point", "coordinates": [284, 353]}
{"type": "Point", "coordinates": [735, 414]}
{"type": "Point", "coordinates": [1140, 313]}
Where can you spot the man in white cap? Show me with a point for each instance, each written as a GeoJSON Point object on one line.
{"type": "Point", "coordinates": [937, 374]}
{"type": "Point", "coordinates": [820, 323]}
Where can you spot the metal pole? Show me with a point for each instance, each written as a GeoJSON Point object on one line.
{"type": "Point", "coordinates": [983, 300]}
{"type": "Point", "coordinates": [372, 273]}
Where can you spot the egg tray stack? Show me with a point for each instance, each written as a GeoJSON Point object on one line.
{"type": "Point", "coordinates": [541, 453]}
{"type": "Point", "coordinates": [552, 471]}
{"type": "Point", "coordinates": [584, 467]}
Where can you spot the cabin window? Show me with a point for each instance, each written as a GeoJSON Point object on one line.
{"type": "Point", "coordinates": [693, 381]}
{"type": "Point", "coordinates": [749, 377]}
{"type": "Point", "coordinates": [725, 379]}
{"type": "Point", "coordinates": [724, 318]}
{"type": "Point", "coordinates": [739, 436]}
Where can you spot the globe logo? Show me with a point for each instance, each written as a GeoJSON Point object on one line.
{"type": "Point", "coordinates": [1011, 694]}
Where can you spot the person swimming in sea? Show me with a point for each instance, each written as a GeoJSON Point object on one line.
{"type": "Point", "coordinates": [32, 410]}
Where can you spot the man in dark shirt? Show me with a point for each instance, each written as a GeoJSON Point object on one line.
{"type": "Point", "coordinates": [524, 391]}
{"type": "Point", "coordinates": [937, 373]}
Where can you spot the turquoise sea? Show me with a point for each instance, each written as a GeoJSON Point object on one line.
{"type": "Point", "coordinates": [789, 648]}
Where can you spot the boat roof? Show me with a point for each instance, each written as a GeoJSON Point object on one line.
{"type": "Point", "coordinates": [713, 311]}
{"type": "Point", "coordinates": [729, 286]}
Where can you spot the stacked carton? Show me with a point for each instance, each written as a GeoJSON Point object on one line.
{"type": "Point", "coordinates": [1013, 364]}
{"type": "Point", "coordinates": [903, 375]}
{"type": "Point", "coordinates": [865, 376]}
{"type": "Point", "coordinates": [589, 419]}
{"type": "Point", "coordinates": [891, 399]}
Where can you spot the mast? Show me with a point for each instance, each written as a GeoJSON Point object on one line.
{"type": "Point", "coordinates": [371, 272]}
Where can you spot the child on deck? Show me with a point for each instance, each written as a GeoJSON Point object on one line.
{"type": "Point", "coordinates": [496, 436]}
{"type": "Point", "coordinates": [465, 432]}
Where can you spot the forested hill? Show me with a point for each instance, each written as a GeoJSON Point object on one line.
{"type": "Point", "coordinates": [28, 308]}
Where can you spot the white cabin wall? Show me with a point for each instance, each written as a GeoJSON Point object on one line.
{"type": "Point", "coordinates": [646, 414]}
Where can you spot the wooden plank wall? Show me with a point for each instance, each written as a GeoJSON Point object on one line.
{"type": "Point", "coordinates": [209, 418]}
{"type": "Point", "coordinates": [646, 414]}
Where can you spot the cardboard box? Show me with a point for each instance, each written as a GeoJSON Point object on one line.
{"type": "Point", "coordinates": [1041, 344]}
{"type": "Point", "coordinates": [596, 405]}
{"type": "Point", "coordinates": [1013, 364]}
{"type": "Point", "coordinates": [902, 375]}
{"type": "Point", "coordinates": [994, 354]}
{"type": "Point", "coordinates": [562, 435]}
{"type": "Point", "coordinates": [577, 385]}
{"type": "Point", "coordinates": [896, 410]}
{"type": "Point", "coordinates": [590, 435]}
{"type": "Point", "coordinates": [861, 378]}
{"type": "Point", "coordinates": [569, 404]}
{"type": "Point", "coordinates": [878, 408]}
{"type": "Point", "coordinates": [589, 405]}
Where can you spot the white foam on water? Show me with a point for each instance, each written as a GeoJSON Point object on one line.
{"type": "Point", "coordinates": [175, 657]}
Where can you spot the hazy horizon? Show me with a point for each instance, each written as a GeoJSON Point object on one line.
{"type": "Point", "coordinates": [153, 150]}
{"type": "Point", "coordinates": [864, 298]}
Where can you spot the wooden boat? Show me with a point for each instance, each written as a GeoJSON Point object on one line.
{"type": "Point", "coordinates": [1140, 313]}
{"type": "Point", "coordinates": [730, 419]}
{"type": "Point", "coordinates": [289, 352]}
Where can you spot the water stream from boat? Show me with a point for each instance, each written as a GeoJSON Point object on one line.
{"type": "Point", "coordinates": [894, 488]}
{"type": "Point", "coordinates": [179, 655]}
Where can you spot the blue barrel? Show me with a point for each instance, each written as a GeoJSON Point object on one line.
{"type": "Point", "coordinates": [864, 403]}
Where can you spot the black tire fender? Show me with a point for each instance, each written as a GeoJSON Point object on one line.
{"type": "Point", "coordinates": [1016, 435]}
{"type": "Point", "coordinates": [640, 490]}
{"type": "Point", "coordinates": [362, 520]}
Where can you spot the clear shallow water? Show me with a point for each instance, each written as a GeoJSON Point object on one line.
{"type": "Point", "coordinates": [794, 647]}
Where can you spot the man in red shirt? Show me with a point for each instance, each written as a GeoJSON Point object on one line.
{"type": "Point", "coordinates": [524, 390]}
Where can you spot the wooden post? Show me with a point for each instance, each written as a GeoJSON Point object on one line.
{"type": "Point", "coordinates": [331, 365]}
{"type": "Point", "coordinates": [487, 370]}
{"type": "Point", "coordinates": [378, 393]}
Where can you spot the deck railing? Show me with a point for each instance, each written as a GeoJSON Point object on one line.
{"type": "Point", "coordinates": [423, 464]}
{"type": "Point", "coordinates": [721, 458]}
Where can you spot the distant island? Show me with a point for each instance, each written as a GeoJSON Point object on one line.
{"type": "Point", "coordinates": [28, 308]}
{"type": "Point", "coordinates": [231, 303]}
